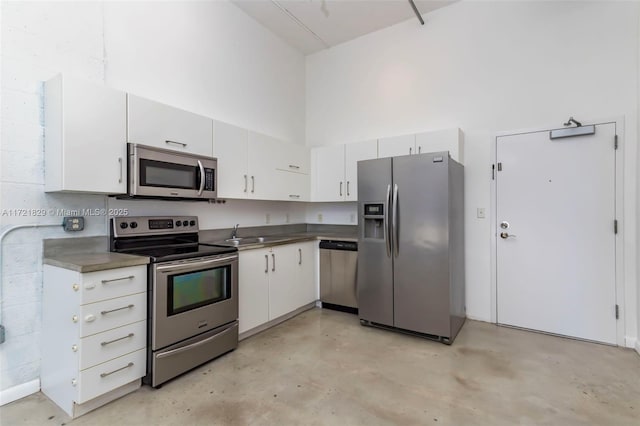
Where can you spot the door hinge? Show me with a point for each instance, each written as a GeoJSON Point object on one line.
{"type": "Point", "coordinates": [615, 226]}
{"type": "Point", "coordinates": [617, 312]}
{"type": "Point", "coordinates": [499, 167]}
{"type": "Point", "coordinates": [615, 142]}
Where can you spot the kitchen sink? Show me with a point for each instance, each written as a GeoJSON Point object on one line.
{"type": "Point", "coordinates": [245, 241]}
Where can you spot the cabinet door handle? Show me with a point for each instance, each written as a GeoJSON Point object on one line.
{"type": "Point", "coordinates": [348, 189]}
{"type": "Point", "coordinates": [419, 150]}
{"type": "Point", "coordinates": [266, 263]}
{"type": "Point", "coordinates": [117, 309]}
{"type": "Point", "coordinates": [246, 185]}
{"type": "Point", "coordinates": [410, 150]}
{"type": "Point", "coordinates": [117, 340]}
{"type": "Point", "coordinates": [273, 257]}
{"type": "Point", "coordinates": [120, 162]}
{"type": "Point", "coordinates": [103, 375]}
{"type": "Point", "coordinates": [253, 184]}
{"type": "Point", "coordinates": [130, 277]}
{"type": "Point", "coordinates": [341, 188]}
{"type": "Point", "coordinates": [300, 256]}
{"type": "Point", "coordinates": [294, 196]}
{"type": "Point", "coordinates": [184, 145]}
{"type": "Point", "coordinates": [293, 166]}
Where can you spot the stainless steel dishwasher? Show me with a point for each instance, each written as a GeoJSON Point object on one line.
{"type": "Point", "coordinates": [338, 266]}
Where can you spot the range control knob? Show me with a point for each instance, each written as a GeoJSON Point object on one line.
{"type": "Point", "coordinates": [124, 225]}
{"type": "Point", "coordinates": [192, 223]}
{"type": "Point", "coordinates": [185, 223]}
{"type": "Point", "coordinates": [133, 225]}
{"type": "Point", "coordinates": [178, 223]}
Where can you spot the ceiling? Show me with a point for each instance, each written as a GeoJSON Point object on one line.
{"type": "Point", "coordinates": [313, 25]}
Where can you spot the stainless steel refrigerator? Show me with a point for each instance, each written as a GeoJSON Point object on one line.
{"type": "Point", "coordinates": [411, 244]}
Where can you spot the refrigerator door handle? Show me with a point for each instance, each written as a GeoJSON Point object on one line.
{"type": "Point", "coordinates": [394, 220]}
{"type": "Point", "coordinates": [387, 224]}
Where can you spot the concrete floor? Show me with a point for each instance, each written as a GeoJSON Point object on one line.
{"type": "Point", "coordinates": [322, 367]}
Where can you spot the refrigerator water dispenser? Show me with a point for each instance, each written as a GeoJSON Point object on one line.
{"type": "Point", "coordinates": [374, 221]}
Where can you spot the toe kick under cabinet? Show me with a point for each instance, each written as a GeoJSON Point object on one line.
{"type": "Point", "coordinates": [94, 328]}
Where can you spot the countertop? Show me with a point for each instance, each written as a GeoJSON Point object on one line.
{"type": "Point", "coordinates": [91, 262]}
{"type": "Point", "coordinates": [280, 239]}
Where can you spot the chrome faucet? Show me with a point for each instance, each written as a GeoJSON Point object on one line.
{"type": "Point", "coordinates": [234, 233]}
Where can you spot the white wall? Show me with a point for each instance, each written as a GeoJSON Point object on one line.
{"type": "Point", "coordinates": [486, 67]}
{"type": "Point", "coordinates": [208, 57]}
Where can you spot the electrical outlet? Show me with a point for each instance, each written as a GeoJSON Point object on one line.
{"type": "Point", "coordinates": [267, 218]}
{"type": "Point", "coordinates": [352, 218]}
{"type": "Point", "coordinates": [287, 219]}
{"type": "Point", "coordinates": [481, 213]}
{"type": "Point", "coordinates": [73, 223]}
{"type": "Point", "coordinates": [319, 217]}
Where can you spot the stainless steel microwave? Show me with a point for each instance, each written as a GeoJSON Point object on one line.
{"type": "Point", "coordinates": [163, 173]}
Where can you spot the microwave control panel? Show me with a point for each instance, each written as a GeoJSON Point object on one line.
{"type": "Point", "coordinates": [209, 180]}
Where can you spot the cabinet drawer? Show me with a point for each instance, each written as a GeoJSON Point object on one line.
{"type": "Point", "coordinates": [103, 378]}
{"type": "Point", "coordinates": [98, 317]}
{"type": "Point", "coordinates": [113, 283]}
{"type": "Point", "coordinates": [111, 344]}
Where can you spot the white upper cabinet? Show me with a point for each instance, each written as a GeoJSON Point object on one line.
{"type": "Point", "coordinates": [328, 173]}
{"type": "Point", "coordinates": [85, 137]}
{"type": "Point", "coordinates": [451, 140]}
{"type": "Point", "coordinates": [354, 152]}
{"type": "Point", "coordinates": [396, 145]}
{"type": "Point", "coordinates": [335, 170]}
{"type": "Point", "coordinates": [254, 166]}
{"type": "Point", "coordinates": [263, 153]}
{"type": "Point", "coordinates": [155, 124]}
{"type": "Point", "coordinates": [292, 157]}
{"type": "Point", "coordinates": [231, 149]}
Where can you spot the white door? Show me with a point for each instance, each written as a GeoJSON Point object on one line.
{"type": "Point", "coordinates": [354, 152]}
{"type": "Point", "coordinates": [231, 151]}
{"type": "Point", "coordinates": [163, 126]}
{"type": "Point", "coordinates": [397, 145]}
{"type": "Point", "coordinates": [263, 151]}
{"type": "Point", "coordinates": [556, 247]}
{"type": "Point", "coordinates": [282, 280]}
{"type": "Point", "coordinates": [328, 174]}
{"type": "Point", "coordinates": [253, 288]}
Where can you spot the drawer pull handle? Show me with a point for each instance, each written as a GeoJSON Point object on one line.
{"type": "Point", "coordinates": [184, 145]}
{"type": "Point", "coordinates": [293, 166]}
{"type": "Point", "coordinates": [90, 318]}
{"type": "Point", "coordinates": [75, 287]}
{"type": "Point", "coordinates": [117, 309]}
{"type": "Point", "coordinates": [115, 371]}
{"type": "Point", "coordinates": [116, 340]}
{"type": "Point", "coordinates": [130, 277]}
{"type": "Point", "coordinates": [90, 286]}
{"type": "Point", "coordinates": [294, 196]}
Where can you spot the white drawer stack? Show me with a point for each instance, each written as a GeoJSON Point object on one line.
{"type": "Point", "coordinates": [94, 329]}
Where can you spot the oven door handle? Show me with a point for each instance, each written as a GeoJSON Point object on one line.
{"type": "Point", "coordinates": [191, 265]}
{"type": "Point", "coordinates": [193, 345]}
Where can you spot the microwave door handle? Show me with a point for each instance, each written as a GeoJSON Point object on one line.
{"type": "Point", "coordinates": [201, 177]}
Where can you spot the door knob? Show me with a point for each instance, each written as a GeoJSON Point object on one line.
{"type": "Point", "coordinates": [505, 235]}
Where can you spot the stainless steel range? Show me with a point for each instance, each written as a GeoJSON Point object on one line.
{"type": "Point", "coordinates": [193, 292]}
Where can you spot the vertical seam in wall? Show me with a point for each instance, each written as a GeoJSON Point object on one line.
{"type": "Point", "coordinates": [104, 46]}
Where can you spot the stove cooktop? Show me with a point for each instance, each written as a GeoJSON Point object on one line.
{"type": "Point", "coordinates": [164, 254]}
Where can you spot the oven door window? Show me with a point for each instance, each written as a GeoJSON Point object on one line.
{"type": "Point", "coordinates": [168, 175]}
{"type": "Point", "coordinates": [195, 289]}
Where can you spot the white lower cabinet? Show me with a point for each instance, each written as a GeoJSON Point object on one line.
{"type": "Point", "coordinates": [274, 282]}
{"type": "Point", "coordinates": [94, 335]}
